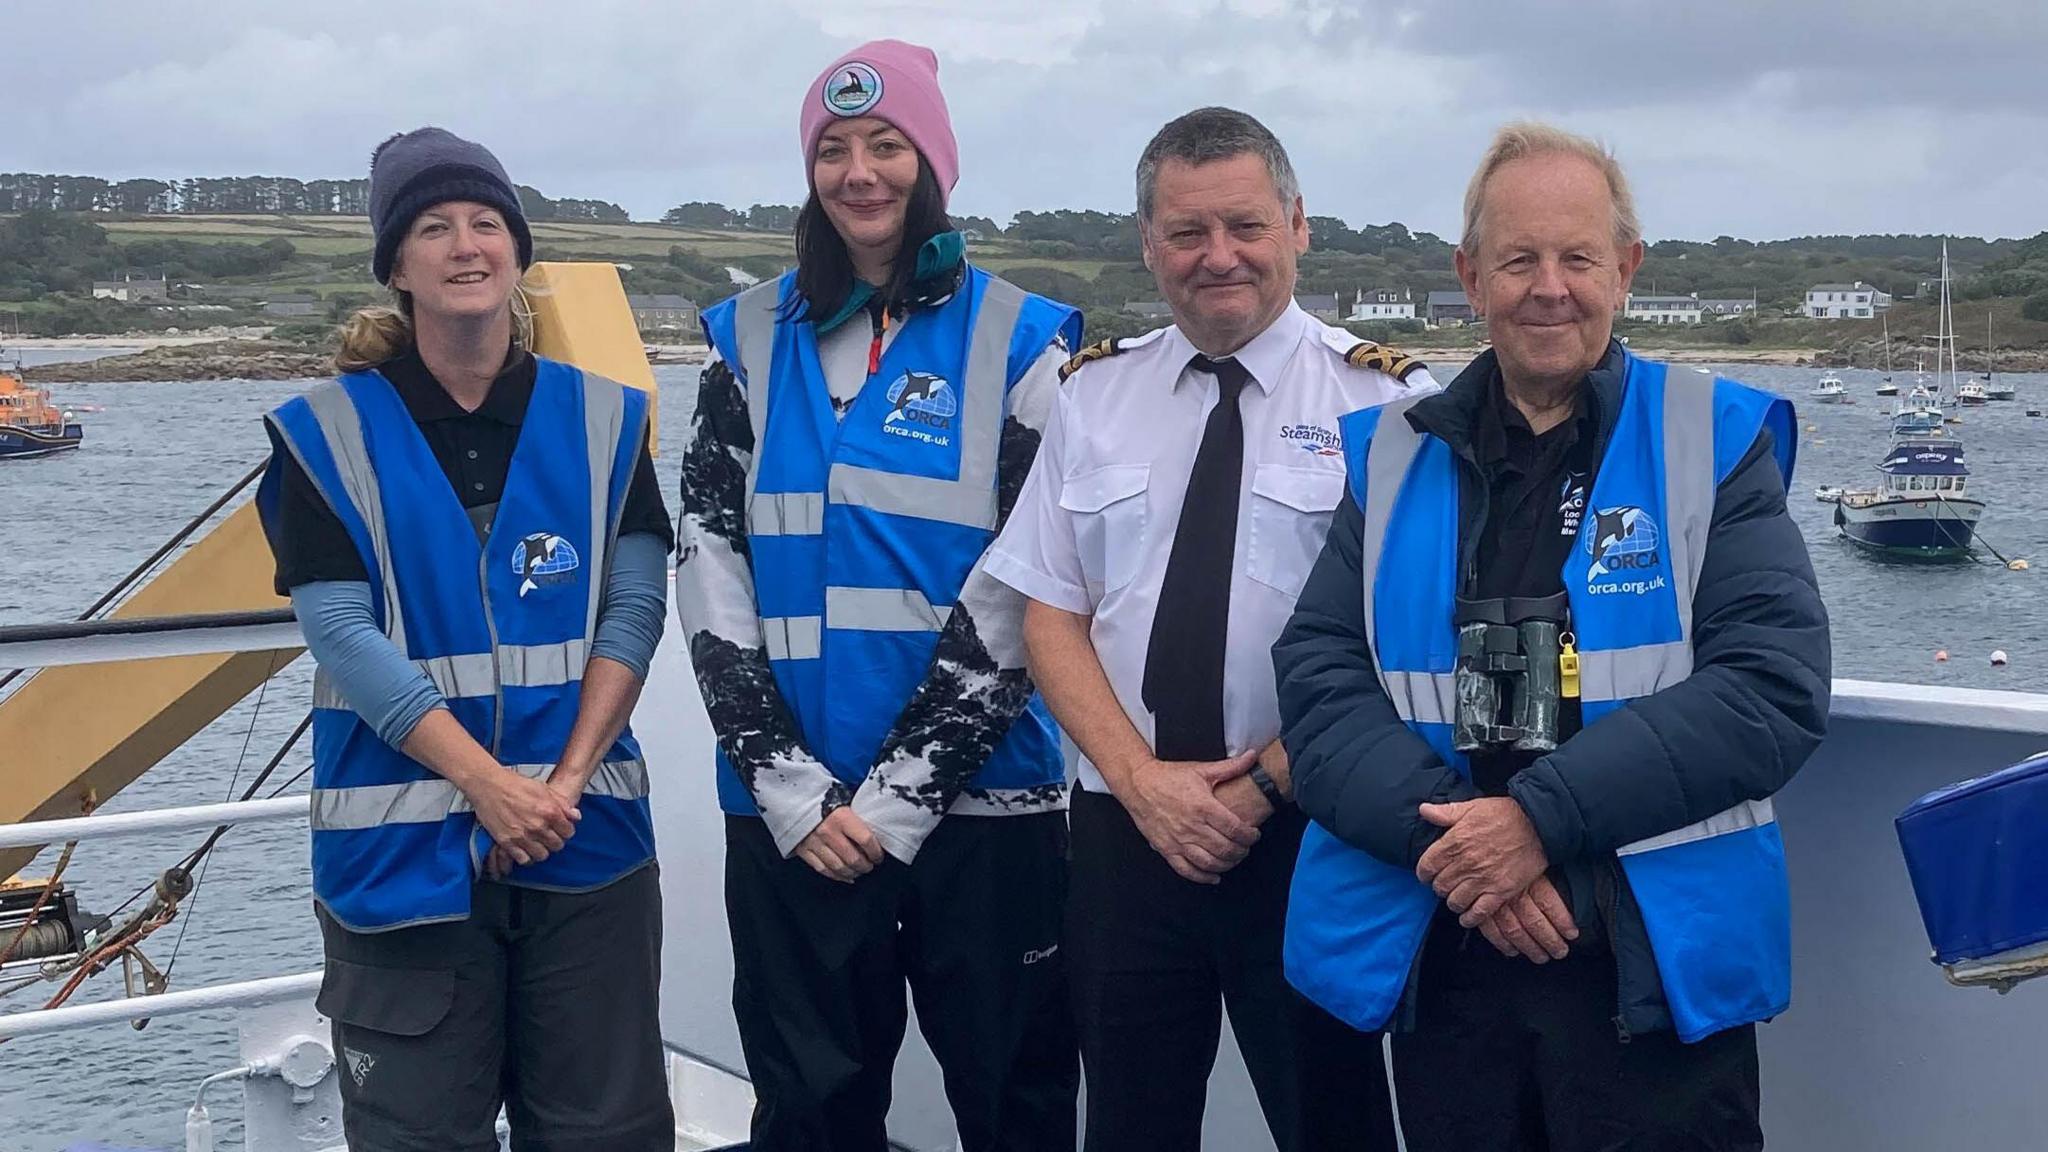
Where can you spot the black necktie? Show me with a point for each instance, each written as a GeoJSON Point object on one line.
{"type": "Point", "coordinates": [1184, 661]}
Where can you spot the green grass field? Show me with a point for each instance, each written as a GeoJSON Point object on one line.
{"type": "Point", "coordinates": [332, 256]}
{"type": "Point", "coordinates": [330, 236]}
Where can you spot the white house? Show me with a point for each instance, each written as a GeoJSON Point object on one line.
{"type": "Point", "coordinates": [1858, 301]}
{"type": "Point", "coordinates": [129, 290]}
{"type": "Point", "coordinates": [1383, 304]}
{"type": "Point", "coordinates": [1729, 309]}
{"type": "Point", "coordinates": [1663, 309]}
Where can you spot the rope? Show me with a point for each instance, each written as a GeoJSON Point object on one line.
{"type": "Point", "coordinates": [49, 890]}
{"type": "Point", "coordinates": [1941, 504]}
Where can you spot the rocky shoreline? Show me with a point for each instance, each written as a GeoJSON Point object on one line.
{"type": "Point", "coordinates": [272, 360]}
{"type": "Point", "coordinates": [221, 360]}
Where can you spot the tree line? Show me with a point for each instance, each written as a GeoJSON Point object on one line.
{"type": "Point", "coordinates": [240, 195]}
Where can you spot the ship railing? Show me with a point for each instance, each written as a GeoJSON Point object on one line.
{"type": "Point", "coordinates": [30, 646]}
{"type": "Point", "coordinates": [712, 1101]}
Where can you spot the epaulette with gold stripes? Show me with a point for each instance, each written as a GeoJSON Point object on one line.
{"type": "Point", "coordinates": [1392, 361]}
{"type": "Point", "coordinates": [1094, 351]}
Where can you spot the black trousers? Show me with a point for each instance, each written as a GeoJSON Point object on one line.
{"type": "Point", "coordinates": [819, 969]}
{"type": "Point", "coordinates": [1157, 959]}
{"type": "Point", "coordinates": [541, 1001]}
{"type": "Point", "coordinates": [1508, 1056]}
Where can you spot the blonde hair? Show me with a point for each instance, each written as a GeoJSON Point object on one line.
{"type": "Point", "coordinates": [381, 332]}
{"type": "Point", "coordinates": [1525, 138]}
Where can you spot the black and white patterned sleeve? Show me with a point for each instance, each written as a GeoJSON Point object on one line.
{"type": "Point", "coordinates": [978, 683]}
{"type": "Point", "coordinates": [715, 601]}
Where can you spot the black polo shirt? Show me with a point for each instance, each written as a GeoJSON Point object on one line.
{"type": "Point", "coordinates": [1536, 492]}
{"type": "Point", "coordinates": [474, 450]}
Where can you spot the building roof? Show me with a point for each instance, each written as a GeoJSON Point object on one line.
{"type": "Point", "coordinates": [1148, 308]}
{"type": "Point", "coordinates": [1449, 299]}
{"type": "Point", "coordinates": [660, 300]}
{"type": "Point", "coordinates": [1728, 302]}
{"type": "Point", "coordinates": [1326, 301]}
{"type": "Point", "coordinates": [1635, 301]}
{"type": "Point", "coordinates": [1859, 286]}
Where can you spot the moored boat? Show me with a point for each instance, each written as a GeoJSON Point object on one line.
{"type": "Point", "coordinates": [1921, 510]}
{"type": "Point", "coordinates": [1829, 390]}
{"type": "Point", "coordinates": [1918, 414]}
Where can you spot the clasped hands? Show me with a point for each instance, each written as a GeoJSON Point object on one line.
{"type": "Point", "coordinates": [1201, 816]}
{"type": "Point", "coordinates": [1489, 867]}
{"type": "Point", "coordinates": [528, 819]}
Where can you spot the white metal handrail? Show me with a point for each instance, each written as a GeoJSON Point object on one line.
{"type": "Point", "coordinates": [117, 824]}
{"type": "Point", "coordinates": [58, 651]}
{"type": "Point", "coordinates": [240, 994]}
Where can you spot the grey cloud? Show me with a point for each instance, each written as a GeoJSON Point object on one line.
{"type": "Point", "coordinates": [1734, 116]}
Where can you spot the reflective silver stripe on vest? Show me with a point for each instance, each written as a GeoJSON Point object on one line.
{"type": "Point", "coordinates": [1423, 697]}
{"type": "Point", "coordinates": [793, 637]}
{"type": "Point", "coordinates": [986, 389]}
{"type": "Point", "coordinates": [604, 425]}
{"type": "Point", "coordinates": [1613, 674]}
{"type": "Point", "coordinates": [1741, 818]}
{"type": "Point", "coordinates": [951, 501]}
{"type": "Point", "coordinates": [375, 805]}
{"type": "Point", "coordinates": [516, 666]}
{"type": "Point", "coordinates": [430, 801]}
{"type": "Point", "coordinates": [1394, 445]}
{"type": "Point", "coordinates": [342, 426]}
{"type": "Point", "coordinates": [1689, 485]}
{"type": "Point", "coordinates": [786, 514]}
{"type": "Point", "coordinates": [753, 326]}
{"type": "Point", "coordinates": [882, 610]}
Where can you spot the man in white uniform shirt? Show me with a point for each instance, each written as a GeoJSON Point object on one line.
{"type": "Point", "coordinates": [1181, 495]}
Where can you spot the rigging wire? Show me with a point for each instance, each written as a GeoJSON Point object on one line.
{"type": "Point", "coordinates": [143, 569]}
{"type": "Point", "coordinates": [199, 880]}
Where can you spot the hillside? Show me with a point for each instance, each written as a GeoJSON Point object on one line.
{"type": "Point", "coordinates": [48, 262]}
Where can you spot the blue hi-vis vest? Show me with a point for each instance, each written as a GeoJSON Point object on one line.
{"type": "Point", "coordinates": [503, 629]}
{"type": "Point", "coordinates": [863, 529]}
{"type": "Point", "coordinates": [1713, 895]}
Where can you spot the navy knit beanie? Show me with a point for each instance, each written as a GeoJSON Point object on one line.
{"type": "Point", "coordinates": [416, 170]}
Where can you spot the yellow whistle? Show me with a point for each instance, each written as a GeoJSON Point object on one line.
{"type": "Point", "coordinates": [1568, 667]}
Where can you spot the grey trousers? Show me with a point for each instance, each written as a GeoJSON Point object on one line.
{"type": "Point", "coordinates": [543, 1002]}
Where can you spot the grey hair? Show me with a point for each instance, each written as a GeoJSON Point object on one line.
{"type": "Point", "coordinates": [1525, 138]}
{"type": "Point", "coordinates": [1208, 134]}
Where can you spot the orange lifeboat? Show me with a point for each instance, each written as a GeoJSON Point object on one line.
{"type": "Point", "coordinates": [29, 424]}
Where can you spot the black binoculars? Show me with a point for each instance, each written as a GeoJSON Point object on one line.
{"type": "Point", "coordinates": [1508, 680]}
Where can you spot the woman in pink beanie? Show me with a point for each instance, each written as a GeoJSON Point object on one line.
{"type": "Point", "coordinates": [894, 789]}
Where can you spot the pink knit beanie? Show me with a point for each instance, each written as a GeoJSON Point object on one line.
{"type": "Point", "coordinates": [889, 80]}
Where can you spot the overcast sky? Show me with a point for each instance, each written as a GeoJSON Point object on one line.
{"type": "Point", "coordinates": [1745, 117]}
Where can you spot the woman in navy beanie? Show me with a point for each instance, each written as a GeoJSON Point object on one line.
{"type": "Point", "coordinates": [475, 546]}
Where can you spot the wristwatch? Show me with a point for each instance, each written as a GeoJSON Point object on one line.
{"type": "Point", "coordinates": [1267, 788]}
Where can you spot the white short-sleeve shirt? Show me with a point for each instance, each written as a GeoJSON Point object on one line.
{"type": "Point", "coordinates": [1094, 525]}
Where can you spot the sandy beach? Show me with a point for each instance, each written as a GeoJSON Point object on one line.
{"type": "Point", "coordinates": [137, 341]}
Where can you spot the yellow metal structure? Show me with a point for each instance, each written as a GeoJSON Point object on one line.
{"type": "Point", "coordinates": [580, 317]}
{"type": "Point", "coordinates": [72, 737]}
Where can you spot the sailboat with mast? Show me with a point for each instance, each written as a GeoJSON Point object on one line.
{"type": "Point", "coordinates": [1886, 387]}
{"type": "Point", "coordinates": [1922, 508]}
{"type": "Point", "coordinates": [1993, 388]}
